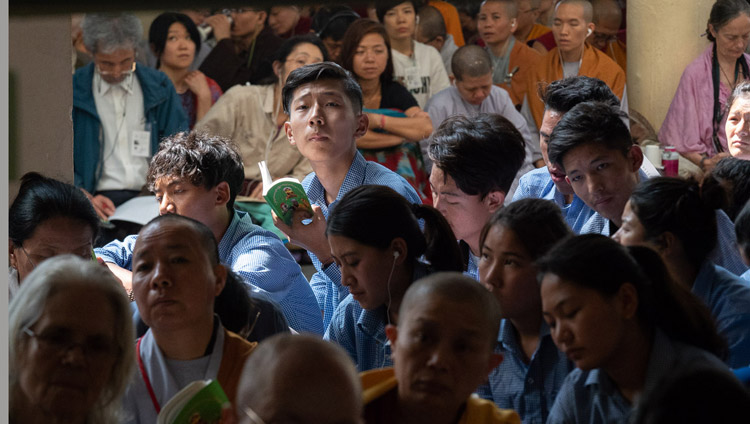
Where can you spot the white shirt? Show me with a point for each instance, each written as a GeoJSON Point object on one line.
{"type": "Point", "coordinates": [428, 68]}
{"type": "Point", "coordinates": [121, 112]}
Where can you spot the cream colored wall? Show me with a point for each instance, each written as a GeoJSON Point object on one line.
{"type": "Point", "coordinates": [663, 38]}
{"type": "Point", "coordinates": [39, 58]}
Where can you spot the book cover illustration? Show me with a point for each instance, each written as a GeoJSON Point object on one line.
{"type": "Point", "coordinates": [284, 195]}
{"type": "Point", "coordinates": [200, 402]}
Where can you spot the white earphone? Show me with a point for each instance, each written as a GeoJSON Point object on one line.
{"type": "Point", "coordinates": [589, 33]}
{"type": "Point", "coordinates": [396, 254]}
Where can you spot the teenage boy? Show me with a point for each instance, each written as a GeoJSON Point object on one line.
{"type": "Point", "coordinates": [442, 350]}
{"type": "Point", "coordinates": [549, 182]}
{"type": "Point", "coordinates": [592, 145]}
{"type": "Point", "coordinates": [198, 176]}
{"type": "Point", "coordinates": [474, 163]}
{"type": "Point", "coordinates": [324, 104]}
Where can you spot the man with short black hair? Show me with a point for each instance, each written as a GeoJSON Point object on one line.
{"type": "Point", "coordinates": [324, 103]}
{"type": "Point", "coordinates": [475, 161]}
{"type": "Point", "coordinates": [199, 176]}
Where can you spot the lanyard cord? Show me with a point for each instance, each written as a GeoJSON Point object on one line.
{"type": "Point", "coordinates": [145, 376]}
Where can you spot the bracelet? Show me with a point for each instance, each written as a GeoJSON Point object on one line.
{"type": "Point", "coordinates": [382, 122]}
{"type": "Point", "coordinates": [131, 296]}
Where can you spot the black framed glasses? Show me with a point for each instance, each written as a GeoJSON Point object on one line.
{"type": "Point", "coordinates": [59, 343]}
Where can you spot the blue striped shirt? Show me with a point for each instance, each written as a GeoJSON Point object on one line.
{"type": "Point", "coordinates": [528, 388]}
{"type": "Point", "coordinates": [592, 397]}
{"type": "Point", "coordinates": [261, 259]}
{"type": "Point", "coordinates": [326, 282]}
{"type": "Point", "coordinates": [361, 333]}
{"type": "Point", "coordinates": [728, 298]}
{"type": "Point", "coordinates": [537, 184]}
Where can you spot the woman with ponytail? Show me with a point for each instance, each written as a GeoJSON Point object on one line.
{"type": "Point", "coordinates": [617, 314]}
{"type": "Point", "coordinates": [678, 220]}
{"type": "Point", "coordinates": [376, 241]}
{"type": "Point", "coordinates": [695, 121]}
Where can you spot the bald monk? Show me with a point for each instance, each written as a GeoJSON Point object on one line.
{"type": "Point", "coordinates": [176, 278]}
{"type": "Point", "coordinates": [300, 379]}
{"type": "Point", "coordinates": [607, 21]}
{"type": "Point", "coordinates": [571, 57]}
{"type": "Point", "coordinates": [431, 31]}
{"type": "Point", "coordinates": [512, 61]}
{"type": "Point", "coordinates": [442, 349]}
{"type": "Point", "coordinates": [528, 28]}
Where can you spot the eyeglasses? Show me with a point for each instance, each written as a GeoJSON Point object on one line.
{"type": "Point", "coordinates": [59, 343]}
{"type": "Point", "coordinates": [108, 70]}
{"type": "Point", "coordinates": [600, 37]}
{"type": "Point", "coordinates": [33, 265]}
{"type": "Point", "coordinates": [229, 11]}
{"type": "Point", "coordinates": [254, 418]}
{"type": "Point", "coordinates": [88, 255]}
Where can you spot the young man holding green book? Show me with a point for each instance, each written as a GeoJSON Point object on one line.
{"type": "Point", "coordinates": [324, 104]}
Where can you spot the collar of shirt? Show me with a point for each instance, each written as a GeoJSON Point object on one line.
{"type": "Point", "coordinates": [355, 177]}
{"type": "Point", "coordinates": [508, 339]}
{"type": "Point", "coordinates": [104, 87]}
{"type": "Point", "coordinates": [371, 322]}
{"type": "Point", "coordinates": [227, 241]}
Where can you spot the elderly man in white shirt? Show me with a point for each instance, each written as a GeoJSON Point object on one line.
{"type": "Point", "coordinates": [120, 112]}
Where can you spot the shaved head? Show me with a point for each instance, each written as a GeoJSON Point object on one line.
{"type": "Point", "coordinates": [471, 61]}
{"type": "Point", "coordinates": [588, 9]}
{"type": "Point", "coordinates": [607, 11]}
{"type": "Point", "coordinates": [454, 287]}
{"type": "Point", "coordinates": [431, 24]}
{"type": "Point", "coordinates": [293, 378]}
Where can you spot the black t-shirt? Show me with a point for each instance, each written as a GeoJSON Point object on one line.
{"type": "Point", "coordinates": [395, 96]}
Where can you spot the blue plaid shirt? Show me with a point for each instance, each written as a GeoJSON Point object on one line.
{"type": "Point", "coordinates": [261, 259]}
{"type": "Point", "coordinates": [537, 184]}
{"type": "Point", "coordinates": [592, 397]}
{"type": "Point", "coordinates": [728, 298]}
{"type": "Point", "coordinates": [528, 388]}
{"type": "Point", "coordinates": [725, 253]}
{"type": "Point", "coordinates": [361, 333]}
{"type": "Point", "coordinates": [326, 282]}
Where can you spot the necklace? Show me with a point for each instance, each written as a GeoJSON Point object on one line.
{"type": "Point", "coordinates": [730, 84]}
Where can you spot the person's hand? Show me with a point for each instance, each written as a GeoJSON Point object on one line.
{"type": "Point", "coordinates": [221, 25]}
{"type": "Point", "coordinates": [312, 236]}
{"type": "Point", "coordinates": [196, 82]}
{"type": "Point", "coordinates": [374, 120]}
{"type": "Point", "coordinates": [711, 162]}
{"type": "Point", "coordinates": [103, 206]}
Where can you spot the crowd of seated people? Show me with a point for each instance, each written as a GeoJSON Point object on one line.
{"type": "Point", "coordinates": [487, 243]}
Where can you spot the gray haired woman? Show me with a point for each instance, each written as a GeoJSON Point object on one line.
{"type": "Point", "coordinates": [70, 344]}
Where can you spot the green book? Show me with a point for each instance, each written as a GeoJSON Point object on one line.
{"type": "Point", "coordinates": [199, 402]}
{"type": "Point", "coordinates": [284, 195]}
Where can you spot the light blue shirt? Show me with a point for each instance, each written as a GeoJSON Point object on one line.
{"type": "Point", "coordinates": [728, 298]}
{"type": "Point", "coordinates": [725, 253]}
{"type": "Point", "coordinates": [326, 282]}
{"type": "Point", "coordinates": [592, 397]}
{"type": "Point", "coordinates": [746, 275]}
{"type": "Point", "coordinates": [538, 184]}
{"type": "Point", "coordinates": [262, 261]}
{"type": "Point", "coordinates": [528, 388]}
{"type": "Point", "coordinates": [361, 333]}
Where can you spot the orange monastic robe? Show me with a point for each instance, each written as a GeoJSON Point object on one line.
{"type": "Point", "coordinates": [595, 64]}
{"type": "Point", "coordinates": [537, 31]}
{"type": "Point", "coordinates": [617, 51]}
{"type": "Point", "coordinates": [452, 20]}
{"type": "Point", "coordinates": [526, 59]}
